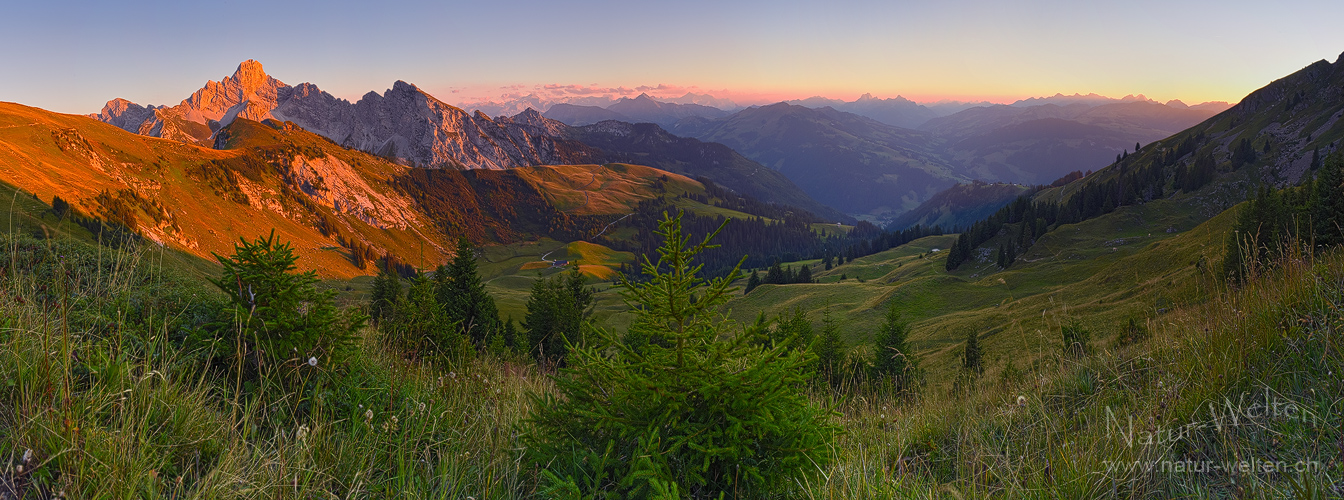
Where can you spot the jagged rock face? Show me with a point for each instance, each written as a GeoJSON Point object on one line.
{"type": "Point", "coordinates": [249, 93]}
{"type": "Point", "coordinates": [125, 114]}
{"type": "Point", "coordinates": [404, 123]}
{"type": "Point", "coordinates": [413, 127]}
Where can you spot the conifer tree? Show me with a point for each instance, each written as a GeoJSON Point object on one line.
{"type": "Point", "coordinates": [280, 314]}
{"type": "Point", "coordinates": [753, 282]}
{"type": "Point", "coordinates": [1327, 211]}
{"type": "Point", "coordinates": [970, 358]}
{"type": "Point", "coordinates": [893, 360]}
{"type": "Point", "coordinates": [385, 296]}
{"type": "Point", "coordinates": [805, 274]}
{"type": "Point", "coordinates": [463, 297]}
{"type": "Point", "coordinates": [706, 415]}
{"type": "Point", "coordinates": [829, 348]}
{"type": "Point", "coordinates": [775, 275]}
{"type": "Point", "coordinates": [556, 313]}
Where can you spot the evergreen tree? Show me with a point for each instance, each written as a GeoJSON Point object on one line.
{"type": "Point", "coordinates": [805, 274]}
{"type": "Point", "coordinates": [280, 315]}
{"type": "Point", "coordinates": [752, 282]}
{"type": "Point", "coordinates": [512, 337]}
{"type": "Point", "coordinates": [463, 295]}
{"type": "Point", "coordinates": [423, 328]}
{"type": "Point", "coordinates": [829, 348]}
{"type": "Point", "coordinates": [59, 207]}
{"type": "Point", "coordinates": [775, 275]}
{"type": "Point", "coordinates": [707, 415]}
{"type": "Point", "coordinates": [1327, 211]}
{"type": "Point", "coordinates": [795, 332]}
{"type": "Point", "coordinates": [970, 357]}
{"type": "Point", "coordinates": [893, 360]}
{"type": "Point", "coordinates": [385, 297]}
{"type": "Point", "coordinates": [556, 314]}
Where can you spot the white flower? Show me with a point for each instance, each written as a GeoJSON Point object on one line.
{"type": "Point", "coordinates": [312, 361]}
{"type": "Point", "coordinates": [27, 455]}
{"type": "Point", "coordinates": [394, 419]}
{"type": "Point", "coordinates": [1021, 400]}
{"type": "Point", "coordinates": [302, 433]}
{"type": "Point", "coordinates": [368, 414]}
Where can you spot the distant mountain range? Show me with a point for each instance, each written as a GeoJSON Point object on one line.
{"type": "Point", "coordinates": [1039, 143]}
{"type": "Point", "coordinates": [867, 157]}
{"type": "Point", "coordinates": [641, 109]}
{"type": "Point", "coordinates": [410, 127]}
{"type": "Point", "coordinates": [855, 164]}
{"type": "Point", "coordinates": [864, 157]}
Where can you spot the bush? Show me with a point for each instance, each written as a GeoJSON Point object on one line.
{"type": "Point", "coordinates": [278, 315]}
{"type": "Point", "coordinates": [697, 412]}
{"type": "Point", "coordinates": [1076, 339]}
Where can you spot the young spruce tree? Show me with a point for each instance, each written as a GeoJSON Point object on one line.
{"type": "Point", "coordinates": [894, 362]}
{"type": "Point", "coordinates": [704, 413]}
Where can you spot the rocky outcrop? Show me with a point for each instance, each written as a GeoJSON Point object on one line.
{"type": "Point", "coordinates": [249, 93]}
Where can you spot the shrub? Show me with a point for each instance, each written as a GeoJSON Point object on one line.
{"type": "Point", "coordinates": [279, 315]}
{"type": "Point", "coordinates": [698, 413]}
{"type": "Point", "coordinates": [1076, 338]}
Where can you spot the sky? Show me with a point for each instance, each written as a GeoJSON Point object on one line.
{"type": "Point", "coordinates": [72, 56]}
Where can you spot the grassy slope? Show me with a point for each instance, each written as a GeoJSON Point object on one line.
{"type": "Point", "coordinates": [1101, 271]}
{"type": "Point", "coordinates": [132, 415]}
{"type": "Point", "coordinates": [76, 157]}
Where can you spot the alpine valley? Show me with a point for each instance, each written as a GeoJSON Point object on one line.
{"type": "Point", "coordinates": [268, 291]}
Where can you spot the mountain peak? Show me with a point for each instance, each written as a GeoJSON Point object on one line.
{"type": "Point", "coordinates": [250, 74]}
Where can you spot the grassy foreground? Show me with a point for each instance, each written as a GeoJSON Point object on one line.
{"type": "Point", "coordinates": [98, 400]}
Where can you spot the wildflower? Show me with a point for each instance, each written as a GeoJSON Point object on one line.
{"type": "Point", "coordinates": [27, 455]}
{"type": "Point", "coordinates": [1021, 400]}
{"type": "Point", "coordinates": [312, 361]}
{"type": "Point", "coordinates": [302, 433]}
{"type": "Point", "coordinates": [394, 419]}
{"type": "Point", "coordinates": [368, 415]}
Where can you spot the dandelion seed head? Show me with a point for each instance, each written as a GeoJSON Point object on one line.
{"type": "Point", "coordinates": [312, 361]}
{"type": "Point", "coordinates": [1021, 400]}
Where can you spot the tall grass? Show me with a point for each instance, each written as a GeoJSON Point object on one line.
{"type": "Point", "coordinates": [1255, 375]}
{"type": "Point", "coordinates": [98, 391]}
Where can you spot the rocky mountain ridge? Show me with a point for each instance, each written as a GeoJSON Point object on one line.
{"type": "Point", "coordinates": [403, 124]}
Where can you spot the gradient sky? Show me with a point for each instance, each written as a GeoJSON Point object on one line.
{"type": "Point", "coordinates": [74, 56]}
